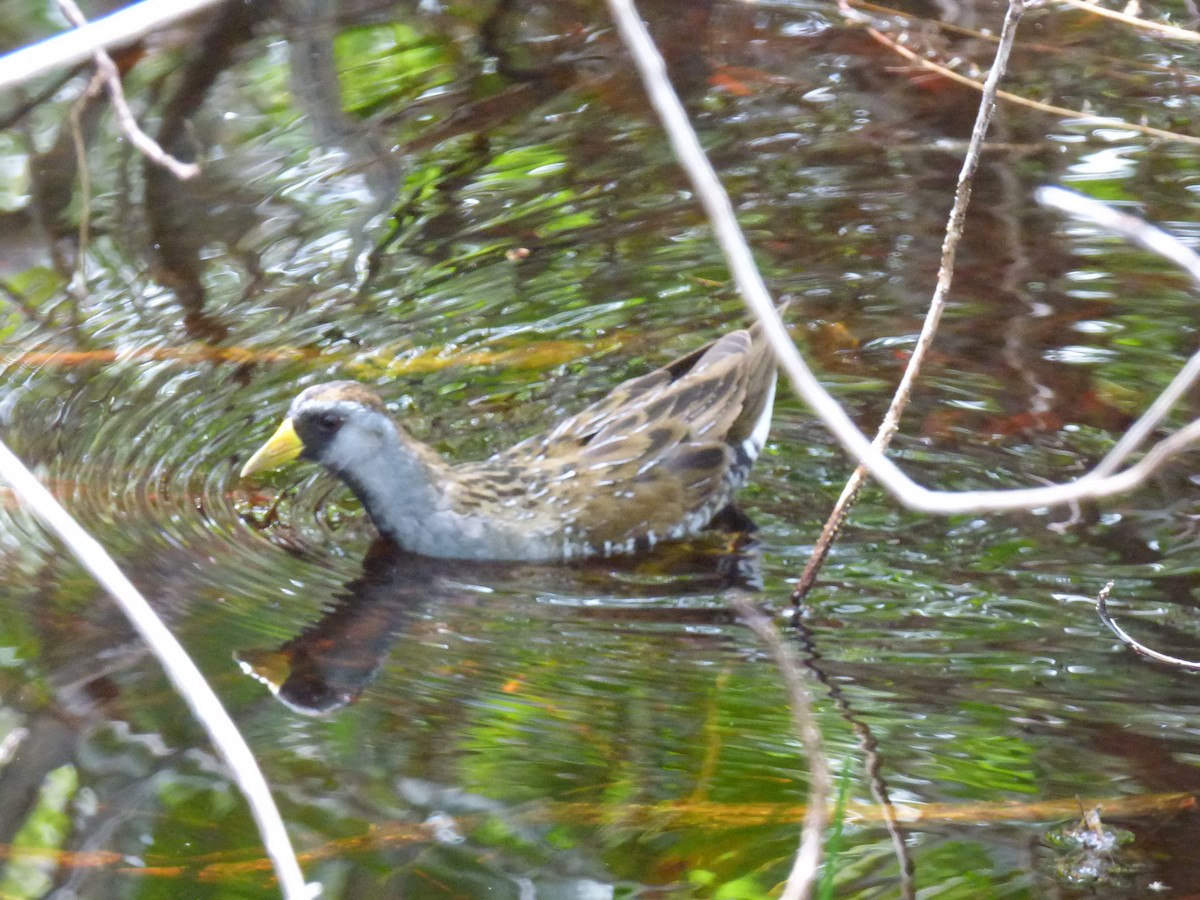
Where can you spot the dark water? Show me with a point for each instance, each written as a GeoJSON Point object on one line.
{"type": "Point", "coordinates": [471, 207]}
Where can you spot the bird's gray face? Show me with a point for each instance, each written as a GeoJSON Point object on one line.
{"type": "Point", "coordinates": [319, 427]}
{"type": "Point", "coordinates": [339, 433]}
{"type": "Point", "coordinates": [340, 425]}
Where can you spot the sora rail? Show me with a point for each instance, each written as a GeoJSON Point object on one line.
{"type": "Point", "coordinates": [660, 458]}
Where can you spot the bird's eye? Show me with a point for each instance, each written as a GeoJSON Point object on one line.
{"type": "Point", "coordinates": [329, 422]}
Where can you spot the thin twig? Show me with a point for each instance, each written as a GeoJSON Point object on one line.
{"type": "Point", "coordinates": [937, 305]}
{"type": "Point", "coordinates": [923, 25]}
{"type": "Point", "coordinates": [72, 47]}
{"type": "Point", "coordinates": [1137, 647]}
{"type": "Point", "coordinates": [750, 284]}
{"type": "Point", "coordinates": [1061, 111]}
{"type": "Point", "coordinates": [1124, 225]}
{"type": "Point", "coordinates": [807, 864]}
{"type": "Point", "coordinates": [107, 70]}
{"type": "Point", "coordinates": [1159, 29]}
{"type": "Point", "coordinates": [184, 674]}
{"type": "Point", "coordinates": [1157, 241]}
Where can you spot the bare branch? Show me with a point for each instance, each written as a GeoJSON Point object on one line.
{"type": "Point", "coordinates": [107, 70]}
{"type": "Point", "coordinates": [1102, 610]}
{"type": "Point", "coordinates": [1076, 115]}
{"type": "Point", "coordinates": [75, 46]}
{"type": "Point", "coordinates": [1129, 227]}
{"type": "Point", "coordinates": [1134, 229]}
{"type": "Point", "coordinates": [937, 305]}
{"type": "Point", "coordinates": [1157, 28]}
{"type": "Point", "coordinates": [749, 281]}
{"type": "Point", "coordinates": [188, 680]}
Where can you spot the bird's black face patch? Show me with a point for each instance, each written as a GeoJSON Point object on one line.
{"type": "Point", "coordinates": [317, 429]}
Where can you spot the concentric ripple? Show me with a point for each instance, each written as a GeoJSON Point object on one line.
{"type": "Point", "coordinates": [144, 444]}
{"type": "Point", "coordinates": [145, 454]}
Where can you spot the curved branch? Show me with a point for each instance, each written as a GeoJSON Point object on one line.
{"type": "Point", "coordinates": [71, 47]}
{"type": "Point", "coordinates": [732, 241]}
{"type": "Point", "coordinates": [1137, 647]}
{"type": "Point", "coordinates": [180, 669]}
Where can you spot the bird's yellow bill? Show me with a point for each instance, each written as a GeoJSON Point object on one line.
{"type": "Point", "coordinates": [284, 446]}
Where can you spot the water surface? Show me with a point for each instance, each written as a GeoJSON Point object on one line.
{"type": "Point", "coordinates": [472, 208]}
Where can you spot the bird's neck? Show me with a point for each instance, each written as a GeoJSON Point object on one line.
{"type": "Point", "coordinates": [398, 485]}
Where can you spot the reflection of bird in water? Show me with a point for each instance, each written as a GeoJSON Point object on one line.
{"type": "Point", "coordinates": [329, 664]}
{"type": "Point", "coordinates": [659, 458]}
{"type": "Point", "coordinates": [334, 660]}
